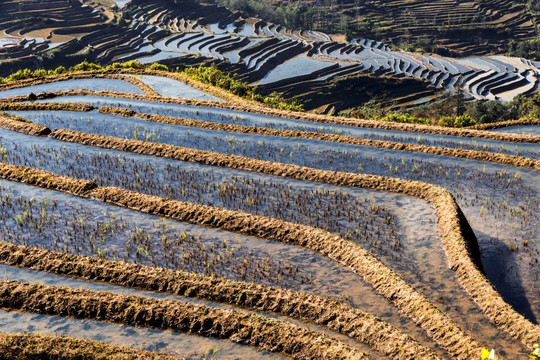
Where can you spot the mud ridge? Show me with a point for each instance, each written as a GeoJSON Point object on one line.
{"type": "Point", "coordinates": [45, 179]}
{"type": "Point", "coordinates": [18, 106]}
{"type": "Point", "coordinates": [20, 125]}
{"type": "Point", "coordinates": [336, 316]}
{"type": "Point", "coordinates": [253, 330]}
{"type": "Point", "coordinates": [503, 124]}
{"type": "Point", "coordinates": [30, 347]}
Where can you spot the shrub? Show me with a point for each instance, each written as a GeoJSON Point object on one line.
{"type": "Point", "coordinates": [464, 120]}
{"type": "Point", "coordinates": [85, 66]}
{"type": "Point", "coordinates": [215, 77]}
{"type": "Point", "coordinates": [20, 75]}
{"type": "Point", "coordinates": [404, 118]}
{"type": "Point", "coordinates": [447, 121]}
{"type": "Point", "coordinates": [39, 73]}
{"type": "Point", "coordinates": [59, 70]}
{"type": "Point", "coordinates": [370, 110]}
{"type": "Point", "coordinates": [157, 66]}
{"type": "Point", "coordinates": [133, 64]}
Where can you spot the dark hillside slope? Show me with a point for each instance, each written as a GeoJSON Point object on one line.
{"type": "Point", "coordinates": [448, 27]}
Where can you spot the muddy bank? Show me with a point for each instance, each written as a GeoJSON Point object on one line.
{"type": "Point", "coordinates": [13, 123]}
{"type": "Point", "coordinates": [28, 347]}
{"type": "Point", "coordinates": [503, 124]}
{"type": "Point", "coordinates": [459, 153]}
{"type": "Point", "coordinates": [17, 106]}
{"type": "Point", "coordinates": [254, 330]}
{"type": "Point", "coordinates": [339, 317]}
{"type": "Point", "coordinates": [45, 179]}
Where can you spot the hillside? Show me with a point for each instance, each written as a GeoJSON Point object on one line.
{"type": "Point", "coordinates": [447, 27]}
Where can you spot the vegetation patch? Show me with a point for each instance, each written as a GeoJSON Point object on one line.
{"type": "Point", "coordinates": [215, 77]}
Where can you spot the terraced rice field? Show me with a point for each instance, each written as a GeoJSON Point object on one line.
{"type": "Point", "coordinates": [172, 219]}
{"type": "Point", "coordinates": [277, 58]}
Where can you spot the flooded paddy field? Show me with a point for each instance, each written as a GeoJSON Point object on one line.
{"type": "Point", "coordinates": [405, 233]}
{"type": "Point", "coordinates": [476, 185]}
{"type": "Point", "coordinates": [234, 117]}
{"type": "Point", "coordinates": [90, 84]}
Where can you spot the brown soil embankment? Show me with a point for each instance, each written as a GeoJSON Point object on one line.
{"type": "Point", "coordinates": [503, 124]}
{"type": "Point", "coordinates": [254, 330]}
{"type": "Point", "coordinates": [45, 179]}
{"type": "Point", "coordinates": [459, 242]}
{"type": "Point", "coordinates": [504, 159]}
{"type": "Point", "coordinates": [12, 123]}
{"type": "Point", "coordinates": [18, 106]}
{"type": "Point", "coordinates": [32, 347]}
{"type": "Point", "coordinates": [339, 317]}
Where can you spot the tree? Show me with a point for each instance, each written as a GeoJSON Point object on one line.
{"type": "Point", "coordinates": [460, 101]}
